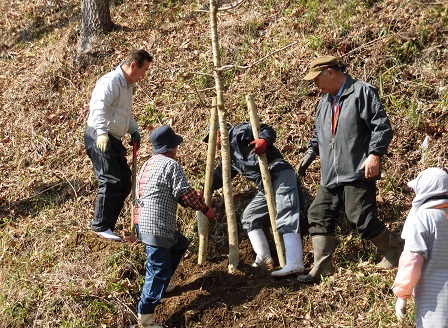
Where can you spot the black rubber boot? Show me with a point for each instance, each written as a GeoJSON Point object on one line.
{"type": "Point", "coordinates": [388, 243]}
{"type": "Point", "coordinates": [324, 247]}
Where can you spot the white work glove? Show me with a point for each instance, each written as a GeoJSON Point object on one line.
{"type": "Point", "coordinates": [400, 308]}
{"type": "Point", "coordinates": [102, 142]}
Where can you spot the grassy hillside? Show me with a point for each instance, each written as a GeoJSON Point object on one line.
{"type": "Point", "coordinates": [55, 273]}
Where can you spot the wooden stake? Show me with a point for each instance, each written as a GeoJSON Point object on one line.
{"type": "Point", "coordinates": [267, 183]}
{"type": "Point", "coordinates": [203, 229]}
{"type": "Point", "coordinates": [133, 237]}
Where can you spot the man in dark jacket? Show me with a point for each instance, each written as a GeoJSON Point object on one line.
{"type": "Point", "coordinates": [244, 151]}
{"type": "Point", "coordinates": [352, 133]}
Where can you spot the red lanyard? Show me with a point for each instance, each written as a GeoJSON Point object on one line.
{"type": "Point", "coordinates": [335, 115]}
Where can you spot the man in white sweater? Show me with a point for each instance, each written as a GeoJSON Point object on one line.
{"type": "Point", "coordinates": [110, 118]}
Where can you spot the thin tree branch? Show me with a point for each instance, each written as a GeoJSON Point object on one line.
{"type": "Point", "coordinates": [364, 45]}
{"type": "Point", "coordinates": [228, 67]}
{"type": "Point", "coordinates": [273, 53]}
{"type": "Point", "coordinates": [200, 73]}
{"type": "Point", "coordinates": [233, 6]}
{"type": "Point", "coordinates": [71, 82]}
{"type": "Point", "coordinates": [73, 188]}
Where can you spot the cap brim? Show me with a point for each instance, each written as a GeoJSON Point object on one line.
{"type": "Point", "coordinates": [205, 139]}
{"type": "Point", "coordinates": [179, 140]}
{"type": "Point", "coordinates": [311, 75]}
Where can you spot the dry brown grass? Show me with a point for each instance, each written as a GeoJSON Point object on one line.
{"type": "Point", "coordinates": [55, 273]}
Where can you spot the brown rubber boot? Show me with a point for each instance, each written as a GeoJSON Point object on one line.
{"type": "Point", "coordinates": [324, 247]}
{"type": "Point", "coordinates": [388, 243]}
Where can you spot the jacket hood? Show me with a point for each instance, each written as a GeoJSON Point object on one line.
{"type": "Point", "coordinates": [429, 185]}
{"type": "Point", "coordinates": [431, 189]}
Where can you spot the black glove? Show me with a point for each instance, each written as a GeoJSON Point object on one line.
{"type": "Point", "coordinates": [305, 162]}
{"type": "Point", "coordinates": [135, 137]}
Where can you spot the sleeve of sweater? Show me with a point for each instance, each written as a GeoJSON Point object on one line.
{"type": "Point", "coordinates": [408, 274]}
{"type": "Point", "coordinates": [193, 200]}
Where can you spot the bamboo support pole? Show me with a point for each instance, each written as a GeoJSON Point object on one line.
{"type": "Point", "coordinates": [203, 229]}
{"type": "Point", "coordinates": [267, 183]}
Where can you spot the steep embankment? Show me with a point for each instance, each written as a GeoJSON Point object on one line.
{"type": "Point", "coordinates": [55, 273]}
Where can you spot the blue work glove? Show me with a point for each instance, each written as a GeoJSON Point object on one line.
{"type": "Point", "coordinates": [102, 142]}
{"type": "Point", "coordinates": [135, 137]}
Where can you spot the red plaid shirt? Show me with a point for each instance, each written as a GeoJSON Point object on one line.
{"type": "Point", "coordinates": [193, 200]}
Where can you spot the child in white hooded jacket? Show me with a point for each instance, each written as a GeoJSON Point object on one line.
{"type": "Point", "coordinates": [423, 266]}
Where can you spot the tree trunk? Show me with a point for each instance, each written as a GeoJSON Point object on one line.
{"type": "Point", "coordinates": [225, 144]}
{"type": "Point", "coordinates": [96, 20]}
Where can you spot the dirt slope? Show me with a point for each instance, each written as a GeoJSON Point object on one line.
{"type": "Point", "coordinates": [55, 273]}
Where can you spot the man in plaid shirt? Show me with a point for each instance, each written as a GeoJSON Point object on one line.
{"type": "Point", "coordinates": [160, 187]}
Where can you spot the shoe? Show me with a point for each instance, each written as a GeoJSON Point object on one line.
{"type": "Point", "coordinates": [108, 234]}
{"type": "Point", "coordinates": [388, 243]}
{"type": "Point", "coordinates": [170, 288]}
{"type": "Point", "coordinates": [324, 247]}
{"type": "Point", "coordinates": [147, 321]}
{"type": "Point", "coordinates": [266, 262]}
{"type": "Point", "coordinates": [288, 271]}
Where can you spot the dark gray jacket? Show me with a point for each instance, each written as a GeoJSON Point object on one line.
{"type": "Point", "coordinates": [246, 163]}
{"type": "Point", "coordinates": [363, 128]}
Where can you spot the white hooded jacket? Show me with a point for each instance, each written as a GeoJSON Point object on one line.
{"type": "Point", "coordinates": [423, 267]}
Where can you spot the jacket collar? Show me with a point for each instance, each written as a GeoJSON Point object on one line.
{"type": "Point", "coordinates": [122, 78]}
{"type": "Point", "coordinates": [348, 89]}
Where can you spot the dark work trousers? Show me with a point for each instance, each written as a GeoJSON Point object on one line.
{"type": "Point", "coordinates": [114, 180]}
{"type": "Point", "coordinates": [359, 201]}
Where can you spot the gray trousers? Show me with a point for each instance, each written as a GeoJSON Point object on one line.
{"type": "Point", "coordinates": [256, 214]}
